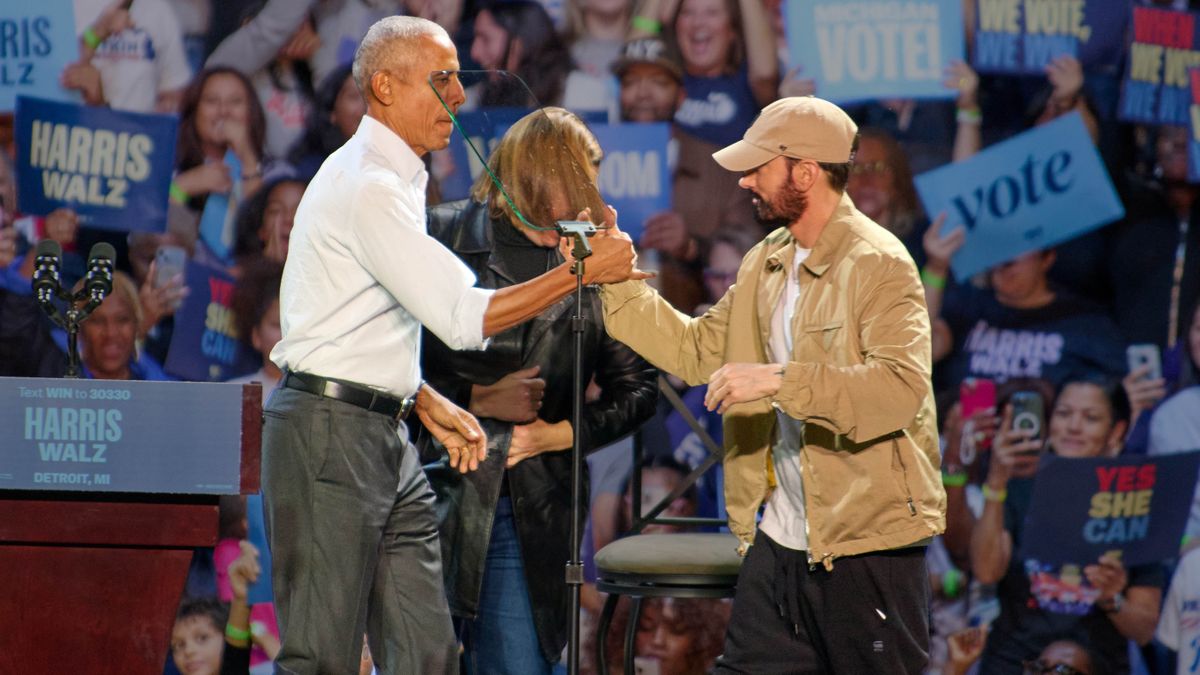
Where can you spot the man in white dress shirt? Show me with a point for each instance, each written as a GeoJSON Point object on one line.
{"type": "Point", "coordinates": [349, 512]}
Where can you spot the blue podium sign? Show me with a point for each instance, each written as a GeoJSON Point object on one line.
{"type": "Point", "coordinates": [120, 436]}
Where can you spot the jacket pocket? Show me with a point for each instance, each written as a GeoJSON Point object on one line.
{"type": "Point", "coordinates": [825, 334]}
{"type": "Point", "coordinates": [900, 470]}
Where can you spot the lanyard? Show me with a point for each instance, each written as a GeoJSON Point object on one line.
{"type": "Point", "coordinates": [1177, 283]}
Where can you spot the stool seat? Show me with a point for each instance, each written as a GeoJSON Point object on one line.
{"type": "Point", "coordinates": [683, 554]}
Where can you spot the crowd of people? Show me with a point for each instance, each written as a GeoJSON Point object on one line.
{"type": "Point", "coordinates": [271, 85]}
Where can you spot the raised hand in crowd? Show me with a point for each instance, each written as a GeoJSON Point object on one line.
{"type": "Point", "coordinates": [243, 572]}
{"type": "Point", "coordinates": [665, 231]}
{"type": "Point", "coordinates": [81, 75]}
{"type": "Point", "coordinates": [939, 250]}
{"type": "Point", "coordinates": [966, 646]}
{"type": "Point", "coordinates": [62, 226]}
{"type": "Point", "coordinates": [159, 298]}
{"type": "Point", "coordinates": [1065, 74]}
{"type": "Point", "coordinates": [456, 429]}
{"type": "Point", "coordinates": [1143, 392]}
{"type": "Point", "coordinates": [1015, 453]}
{"type": "Point", "coordinates": [961, 77]}
{"type": "Point", "coordinates": [303, 44]}
{"type": "Point", "coordinates": [516, 397]}
{"type": "Point", "coordinates": [794, 84]}
{"type": "Point", "coordinates": [204, 179]}
{"type": "Point", "coordinates": [236, 134]}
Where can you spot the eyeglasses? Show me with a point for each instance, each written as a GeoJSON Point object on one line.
{"type": "Point", "coordinates": [878, 166]}
{"type": "Point", "coordinates": [1041, 667]}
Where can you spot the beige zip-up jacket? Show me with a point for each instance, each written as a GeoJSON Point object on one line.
{"type": "Point", "coordinates": [859, 379]}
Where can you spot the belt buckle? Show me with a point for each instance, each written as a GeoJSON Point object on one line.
{"type": "Point", "coordinates": [406, 407]}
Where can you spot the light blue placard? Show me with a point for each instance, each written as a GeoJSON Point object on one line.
{"type": "Point", "coordinates": [875, 48]}
{"type": "Point", "coordinates": [218, 222]}
{"type": "Point", "coordinates": [1032, 191]}
{"type": "Point", "coordinates": [111, 167]}
{"type": "Point", "coordinates": [256, 532]}
{"type": "Point", "coordinates": [37, 41]}
{"type": "Point", "coordinates": [634, 176]}
{"type": "Point", "coordinates": [120, 436]}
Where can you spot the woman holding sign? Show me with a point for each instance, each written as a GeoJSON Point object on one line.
{"type": "Point", "coordinates": [1102, 605]}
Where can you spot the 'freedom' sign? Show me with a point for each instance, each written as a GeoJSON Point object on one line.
{"type": "Point", "coordinates": [1023, 36]}
{"type": "Point", "coordinates": [634, 177]}
{"type": "Point", "coordinates": [1030, 192]}
{"type": "Point", "coordinates": [1155, 90]}
{"type": "Point", "coordinates": [113, 168]}
{"type": "Point", "coordinates": [1083, 508]}
{"type": "Point", "coordinates": [875, 48]}
{"type": "Point", "coordinates": [37, 41]}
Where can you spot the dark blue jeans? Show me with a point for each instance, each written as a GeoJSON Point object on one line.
{"type": "Point", "coordinates": [502, 639]}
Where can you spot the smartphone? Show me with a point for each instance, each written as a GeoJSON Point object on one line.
{"type": "Point", "coordinates": [1028, 412]}
{"type": "Point", "coordinates": [168, 262]}
{"type": "Point", "coordinates": [1141, 355]}
{"type": "Point", "coordinates": [975, 394]}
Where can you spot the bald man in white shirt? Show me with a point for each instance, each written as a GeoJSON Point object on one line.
{"type": "Point", "coordinates": [349, 512]}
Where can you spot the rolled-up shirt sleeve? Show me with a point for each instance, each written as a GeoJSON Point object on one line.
{"type": "Point", "coordinates": [424, 277]}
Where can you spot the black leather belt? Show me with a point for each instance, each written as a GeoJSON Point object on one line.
{"type": "Point", "coordinates": [354, 394]}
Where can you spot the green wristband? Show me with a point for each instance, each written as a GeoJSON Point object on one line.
{"type": "Point", "coordinates": [236, 633]}
{"type": "Point", "coordinates": [951, 583]}
{"type": "Point", "coordinates": [90, 38]}
{"type": "Point", "coordinates": [954, 479]}
{"type": "Point", "coordinates": [647, 24]}
{"type": "Point", "coordinates": [932, 280]}
{"type": "Point", "coordinates": [177, 194]}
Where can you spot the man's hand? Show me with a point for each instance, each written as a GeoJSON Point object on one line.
{"type": "Point", "coordinates": [455, 428]}
{"type": "Point", "coordinates": [613, 258]}
{"type": "Point", "coordinates": [741, 382]}
{"type": "Point", "coordinates": [516, 397]}
{"type": "Point", "coordinates": [530, 440]}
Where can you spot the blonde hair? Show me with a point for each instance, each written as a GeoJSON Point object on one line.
{"type": "Point", "coordinates": [546, 157]}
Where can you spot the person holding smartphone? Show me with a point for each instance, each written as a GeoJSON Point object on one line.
{"type": "Point", "coordinates": [1087, 419]}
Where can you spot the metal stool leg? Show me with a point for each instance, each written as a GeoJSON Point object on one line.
{"type": "Point", "coordinates": [635, 615]}
{"type": "Point", "coordinates": [610, 604]}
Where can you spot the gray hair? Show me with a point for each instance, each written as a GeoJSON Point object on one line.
{"type": "Point", "coordinates": [392, 39]}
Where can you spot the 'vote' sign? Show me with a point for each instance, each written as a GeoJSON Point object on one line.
{"type": "Point", "coordinates": [875, 48]}
{"type": "Point", "coordinates": [1032, 191]}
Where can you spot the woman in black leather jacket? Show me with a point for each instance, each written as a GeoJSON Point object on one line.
{"type": "Point", "coordinates": [505, 528]}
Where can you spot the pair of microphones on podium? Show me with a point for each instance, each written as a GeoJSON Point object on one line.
{"type": "Point", "coordinates": [47, 282]}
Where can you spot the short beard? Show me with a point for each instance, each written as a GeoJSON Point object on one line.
{"type": "Point", "coordinates": [787, 207]}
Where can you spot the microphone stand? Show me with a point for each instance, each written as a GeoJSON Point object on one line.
{"type": "Point", "coordinates": [580, 231]}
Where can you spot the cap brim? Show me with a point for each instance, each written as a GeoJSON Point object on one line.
{"type": "Point", "coordinates": [743, 156]}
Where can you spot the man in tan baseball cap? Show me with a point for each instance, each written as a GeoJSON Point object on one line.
{"type": "Point", "coordinates": [819, 360]}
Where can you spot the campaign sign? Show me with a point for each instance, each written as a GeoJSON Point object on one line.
{"type": "Point", "coordinates": [1023, 36]}
{"type": "Point", "coordinates": [37, 41]}
{"type": "Point", "coordinates": [112, 167]}
{"type": "Point", "coordinates": [1084, 508]}
{"type": "Point", "coordinates": [204, 343]}
{"type": "Point", "coordinates": [869, 49]}
{"type": "Point", "coordinates": [114, 436]}
{"type": "Point", "coordinates": [218, 221]}
{"type": "Point", "coordinates": [1155, 90]}
{"type": "Point", "coordinates": [634, 176]}
{"type": "Point", "coordinates": [1194, 127]}
{"type": "Point", "coordinates": [1032, 191]}
{"type": "Point", "coordinates": [256, 532]}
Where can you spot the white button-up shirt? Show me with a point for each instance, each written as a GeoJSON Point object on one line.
{"type": "Point", "coordinates": [362, 275]}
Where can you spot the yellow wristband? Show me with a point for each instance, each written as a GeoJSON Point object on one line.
{"type": "Point", "coordinates": [994, 495]}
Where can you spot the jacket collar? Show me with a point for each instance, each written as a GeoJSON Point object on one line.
{"type": "Point", "coordinates": [394, 150]}
{"type": "Point", "coordinates": [828, 242]}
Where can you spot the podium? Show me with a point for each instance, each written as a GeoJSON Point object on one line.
{"type": "Point", "coordinates": [105, 489]}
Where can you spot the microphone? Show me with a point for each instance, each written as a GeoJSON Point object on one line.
{"type": "Point", "coordinates": [99, 281]}
{"type": "Point", "coordinates": [46, 272]}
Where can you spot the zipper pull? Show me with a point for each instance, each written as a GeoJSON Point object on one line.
{"type": "Point", "coordinates": [911, 509]}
